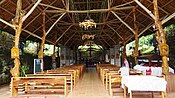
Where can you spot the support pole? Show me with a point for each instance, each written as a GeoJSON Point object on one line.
{"type": "Point", "coordinates": [136, 38]}
{"type": "Point", "coordinates": [54, 58]}
{"type": "Point", "coordinates": [15, 71]}
{"type": "Point", "coordinates": [160, 36]}
{"type": "Point", "coordinates": [124, 53]}
{"type": "Point", "coordinates": [40, 53]}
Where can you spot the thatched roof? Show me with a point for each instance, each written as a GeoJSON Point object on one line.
{"type": "Point", "coordinates": [108, 15]}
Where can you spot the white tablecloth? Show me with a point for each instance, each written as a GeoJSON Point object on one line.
{"type": "Point", "coordinates": [156, 71]}
{"type": "Point", "coordinates": [144, 83]}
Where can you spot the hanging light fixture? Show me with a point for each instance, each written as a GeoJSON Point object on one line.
{"type": "Point", "coordinates": [88, 22]}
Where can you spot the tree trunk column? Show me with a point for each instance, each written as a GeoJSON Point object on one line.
{"type": "Point", "coordinates": [136, 38]}
{"type": "Point", "coordinates": [15, 71]}
{"type": "Point", "coordinates": [160, 36]}
{"type": "Point", "coordinates": [40, 53]}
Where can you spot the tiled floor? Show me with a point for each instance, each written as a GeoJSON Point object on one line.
{"type": "Point", "coordinates": [89, 86]}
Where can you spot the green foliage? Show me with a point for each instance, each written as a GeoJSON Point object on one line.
{"type": "Point", "coordinates": [170, 36]}
{"type": "Point", "coordinates": [145, 45]}
{"type": "Point", "coordinates": [23, 70]}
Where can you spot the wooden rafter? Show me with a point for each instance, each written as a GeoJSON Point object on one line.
{"type": "Point", "coordinates": [31, 10]}
{"type": "Point", "coordinates": [115, 31]}
{"type": "Point", "coordinates": [143, 7]}
{"type": "Point", "coordinates": [55, 23]}
{"type": "Point", "coordinates": [63, 33]}
{"type": "Point", "coordinates": [123, 22]}
{"type": "Point", "coordinates": [109, 37]}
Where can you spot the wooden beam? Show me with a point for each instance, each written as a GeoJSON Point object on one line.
{"type": "Point", "coordinates": [152, 24]}
{"type": "Point", "coordinates": [123, 22]}
{"type": "Point", "coordinates": [161, 8]}
{"type": "Point", "coordinates": [69, 38]}
{"type": "Point", "coordinates": [168, 18]}
{"type": "Point", "coordinates": [31, 10]}
{"type": "Point", "coordinates": [32, 20]}
{"type": "Point", "coordinates": [90, 11]}
{"type": "Point", "coordinates": [144, 8]}
{"type": "Point", "coordinates": [2, 1]}
{"type": "Point", "coordinates": [34, 35]}
{"type": "Point", "coordinates": [122, 8]}
{"type": "Point", "coordinates": [124, 4]}
{"type": "Point", "coordinates": [115, 31]}
{"type": "Point", "coordinates": [9, 24]}
{"type": "Point", "coordinates": [60, 9]}
{"type": "Point", "coordinates": [63, 3]}
{"type": "Point", "coordinates": [63, 33]}
{"type": "Point", "coordinates": [55, 23]}
{"type": "Point", "coordinates": [109, 37]}
{"type": "Point", "coordinates": [105, 41]}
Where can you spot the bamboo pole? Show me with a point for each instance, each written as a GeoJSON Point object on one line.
{"type": "Point", "coordinates": [15, 71]}
{"type": "Point", "coordinates": [40, 53]}
{"type": "Point", "coordinates": [136, 37]}
{"type": "Point", "coordinates": [160, 36]}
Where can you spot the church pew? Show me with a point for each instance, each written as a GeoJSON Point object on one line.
{"type": "Point", "coordinates": [41, 85]}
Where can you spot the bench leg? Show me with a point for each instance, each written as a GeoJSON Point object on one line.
{"type": "Point", "coordinates": [14, 91]}
{"type": "Point", "coordinates": [163, 94]}
{"type": "Point", "coordinates": [130, 95]}
{"type": "Point", "coordinates": [124, 91]}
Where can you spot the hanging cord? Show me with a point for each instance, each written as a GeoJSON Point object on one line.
{"type": "Point", "coordinates": [88, 17]}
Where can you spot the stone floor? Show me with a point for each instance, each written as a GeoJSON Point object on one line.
{"type": "Point", "coordinates": [89, 86]}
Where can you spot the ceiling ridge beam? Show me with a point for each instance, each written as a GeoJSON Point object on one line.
{"type": "Point", "coordinates": [91, 11]}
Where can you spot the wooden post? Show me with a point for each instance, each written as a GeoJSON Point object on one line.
{"type": "Point", "coordinates": [124, 53]}
{"type": "Point", "coordinates": [160, 36]}
{"type": "Point", "coordinates": [40, 53]}
{"type": "Point", "coordinates": [136, 38]}
{"type": "Point", "coordinates": [53, 55]}
{"type": "Point", "coordinates": [15, 71]}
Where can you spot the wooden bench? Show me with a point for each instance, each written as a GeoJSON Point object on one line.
{"type": "Point", "coordinates": [74, 73]}
{"type": "Point", "coordinates": [69, 77]}
{"type": "Point", "coordinates": [41, 85]}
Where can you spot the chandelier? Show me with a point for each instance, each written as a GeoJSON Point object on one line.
{"type": "Point", "coordinates": [87, 36]}
{"type": "Point", "coordinates": [89, 42]}
{"type": "Point", "coordinates": [88, 22]}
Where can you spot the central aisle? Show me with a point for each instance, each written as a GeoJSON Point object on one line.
{"type": "Point", "coordinates": [90, 86]}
